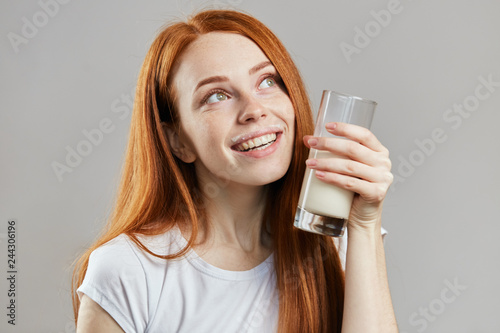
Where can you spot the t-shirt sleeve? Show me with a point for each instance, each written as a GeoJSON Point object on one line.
{"type": "Point", "coordinates": [115, 280]}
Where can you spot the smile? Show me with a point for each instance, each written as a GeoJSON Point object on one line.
{"type": "Point", "coordinates": [258, 143]}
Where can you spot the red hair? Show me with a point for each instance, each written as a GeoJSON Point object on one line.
{"type": "Point", "coordinates": [158, 190]}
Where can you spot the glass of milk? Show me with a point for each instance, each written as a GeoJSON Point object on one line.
{"type": "Point", "coordinates": [324, 208]}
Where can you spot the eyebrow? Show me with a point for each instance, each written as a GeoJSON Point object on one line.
{"type": "Point", "coordinates": [258, 67]}
{"type": "Point", "coordinates": [211, 79]}
{"type": "Point", "coordinates": [219, 78]}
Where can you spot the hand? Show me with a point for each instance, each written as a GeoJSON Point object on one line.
{"type": "Point", "coordinates": [364, 168]}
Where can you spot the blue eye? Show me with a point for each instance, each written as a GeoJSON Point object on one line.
{"type": "Point", "coordinates": [217, 97]}
{"type": "Point", "coordinates": [267, 83]}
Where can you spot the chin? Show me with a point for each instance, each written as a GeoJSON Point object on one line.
{"type": "Point", "coordinates": [268, 176]}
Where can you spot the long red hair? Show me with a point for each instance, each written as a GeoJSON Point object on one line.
{"type": "Point", "coordinates": [158, 190]}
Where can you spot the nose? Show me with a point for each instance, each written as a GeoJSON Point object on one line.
{"type": "Point", "coordinates": [251, 110]}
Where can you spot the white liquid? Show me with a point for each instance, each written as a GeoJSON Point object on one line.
{"type": "Point", "coordinates": [324, 199]}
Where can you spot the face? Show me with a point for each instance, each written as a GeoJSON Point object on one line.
{"type": "Point", "coordinates": [236, 121]}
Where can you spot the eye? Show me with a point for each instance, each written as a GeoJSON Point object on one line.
{"type": "Point", "coordinates": [216, 97]}
{"type": "Point", "coordinates": [267, 83]}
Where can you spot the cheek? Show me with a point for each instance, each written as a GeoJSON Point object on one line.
{"type": "Point", "coordinates": [209, 136]}
{"type": "Point", "coordinates": [288, 110]}
{"type": "Point", "coordinates": [290, 119]}
{"type": "Point", "coordinates": [289, 116]}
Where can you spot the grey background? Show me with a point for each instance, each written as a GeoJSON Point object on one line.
{"type": "Point", "coordinates": [81, 66]}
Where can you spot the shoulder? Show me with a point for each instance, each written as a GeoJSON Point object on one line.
{"type": "Point", "coordinates": [119, 247]}
{"type": "Point", "coordinates": [121, 257]}
{"type": "Point", "coordinates": [114, 269]}
{"type": "Point", "coordinates": [116, 258]}
{"type": "Point", "coordinates": [123, 279]}
{"type": "Point", "coordinates": [124, 250]}
{"type": "Point", "coordinates": [115, 280]}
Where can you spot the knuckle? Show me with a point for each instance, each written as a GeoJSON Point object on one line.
{"type": "Point", "coordinates": [384, 162]}
{"type": "Point", "coordinates": [350, 183]}
{"type": "Point", "coordinates": [350, 166]}
{"type": "Point", "coordinates": [380, 193]}
{"type": "Point", "coordinates": [389, 178]}
{"type": "Point", "coordinates": [325, 144]}
{"type": "Point", "coordinates": [352, 149]}
{"type": "Point", "coordinates": [389, 164]}
{"type": "Point", "coordinates": [366, 135]}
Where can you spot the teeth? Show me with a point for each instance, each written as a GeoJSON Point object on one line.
{"type": "Point", "coordinates": [259, 143]}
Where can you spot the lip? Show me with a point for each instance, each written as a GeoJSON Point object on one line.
{"type": "Point", "coordinates": [258, 153]}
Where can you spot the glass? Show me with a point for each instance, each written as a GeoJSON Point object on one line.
{"type": "Point", "coordinates": [324, 208]}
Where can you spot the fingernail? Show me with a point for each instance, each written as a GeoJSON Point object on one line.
{"type": "Point", "coordinates": [320, 174]}
{"type": "Point", "coordinates": [311, 162]}
{"type": "Point", "coordinates": [331, 126]}
{"type": "Point", "coordinates": [312, 142]}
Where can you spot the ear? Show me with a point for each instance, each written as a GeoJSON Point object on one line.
{"type": "Point", "coordinates": [178, 145]}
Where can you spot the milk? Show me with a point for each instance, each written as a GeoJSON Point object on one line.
{"type": "Point", "coordinates": [320, 198]}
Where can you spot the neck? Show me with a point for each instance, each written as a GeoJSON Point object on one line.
{"type": "Point", "coordinates": [235, 217]}
{"type": "Point", "coordinates": [235, 237]}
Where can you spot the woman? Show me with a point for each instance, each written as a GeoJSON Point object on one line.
{"type": "Point", "coordinates": [202, 236]}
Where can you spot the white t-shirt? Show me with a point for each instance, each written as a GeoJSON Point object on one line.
{"type": "Point", "coordinates": [144, 293]}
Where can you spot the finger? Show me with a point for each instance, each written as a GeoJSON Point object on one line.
{"type": "Point", "coordinates": [371, 192]}
{"type": "Point", "coordinates": [351, 168]}
{"type": "Point", "coordinates": [306, 140]}
{"type": "Point", "coordinates": [351, 150]}
{"type": "Point", "coordinates": [357, 133]}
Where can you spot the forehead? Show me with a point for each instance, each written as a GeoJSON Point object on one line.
{"type": "Point", "coordinates": [217, 53]}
